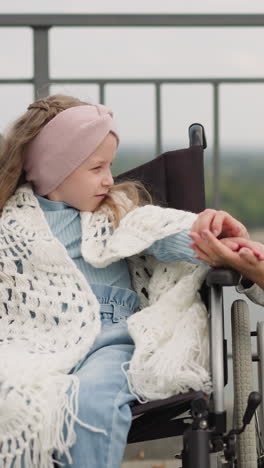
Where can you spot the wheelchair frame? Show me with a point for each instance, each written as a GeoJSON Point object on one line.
{"type": "Point", "coordinates": [205, 442]}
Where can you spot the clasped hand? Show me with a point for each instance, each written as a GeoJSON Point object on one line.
{"type": "Point", "coordinates": [221, 240]}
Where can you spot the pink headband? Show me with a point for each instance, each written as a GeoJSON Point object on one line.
{"type": "Point", "coordinates": [64, 143]}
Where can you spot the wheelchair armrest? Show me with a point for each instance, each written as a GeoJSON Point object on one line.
{"type": "Point", "coordinates": [222, 277]}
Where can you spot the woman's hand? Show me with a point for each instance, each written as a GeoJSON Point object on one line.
{"type": "Point", "coordinates": [244, 255]}
{"type": "Point", "coordinates": [220, 223]}
{"type": "Point", "coordinates": [245, 245]}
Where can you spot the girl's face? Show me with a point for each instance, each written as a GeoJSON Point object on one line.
{"type": "Point", "coordinates": [86, 187]}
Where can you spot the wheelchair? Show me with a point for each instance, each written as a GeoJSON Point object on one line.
{"type": "Point", "coordinates": [201, 421]}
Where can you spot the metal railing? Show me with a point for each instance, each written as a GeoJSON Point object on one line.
{"type": "Point", "coordinates": [42, 81]}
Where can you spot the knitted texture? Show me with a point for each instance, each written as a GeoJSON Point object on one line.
{"type": "Point", "coordinates": [50, 319]}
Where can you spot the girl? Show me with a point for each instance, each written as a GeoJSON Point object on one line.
{"type": "Point", "coordinates": [78, 257]}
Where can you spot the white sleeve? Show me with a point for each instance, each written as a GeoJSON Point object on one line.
{"type": "Point", "coordinates": [255, 293]}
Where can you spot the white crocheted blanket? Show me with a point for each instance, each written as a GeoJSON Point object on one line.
{"type": "Point", "coordinates": [50, 319]}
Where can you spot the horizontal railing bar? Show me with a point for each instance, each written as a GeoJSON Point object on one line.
{"type": "Point", "coordinates": [117, 20]}
{"type": "Point", "coordinates": [105, 81]}
{"type": "Point", "coordinates": [154, 80]}
{"type": "Point", "coordinates": [16, 80]}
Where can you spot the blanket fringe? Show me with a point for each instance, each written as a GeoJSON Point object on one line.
{"type": "Point", "coordinates": [49, 436]}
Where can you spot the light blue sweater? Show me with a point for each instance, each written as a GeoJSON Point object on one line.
{"type": "Point", "coordinates": [65, 224]}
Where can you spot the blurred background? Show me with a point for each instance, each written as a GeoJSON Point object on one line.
{"type": "Point", "coordinates": [177, 74]}
{"type": "Point", "coordinates": [158, 79]}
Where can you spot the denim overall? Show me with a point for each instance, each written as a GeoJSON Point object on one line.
{"type": "Point", "coordinates": [104, 397]}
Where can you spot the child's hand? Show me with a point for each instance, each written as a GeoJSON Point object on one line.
{"type": "Point", "coordinates": [213, 251]}
{"type": "Point", "coordinates": [220, 223]}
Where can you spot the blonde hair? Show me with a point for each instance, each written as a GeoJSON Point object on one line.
{"type": "Point", "coordinates": [25, 128]}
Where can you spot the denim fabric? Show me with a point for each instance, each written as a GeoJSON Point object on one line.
{"type": "Point", "coordinates": [104, 397]}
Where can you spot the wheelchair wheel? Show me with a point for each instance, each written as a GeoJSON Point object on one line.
{"type": "Point", "coordinates": [243, 377]}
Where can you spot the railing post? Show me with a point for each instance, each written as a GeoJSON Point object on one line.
{"type": "Point", "coordinates": [102, 93]}
{"type": "Point", "coordinates": [41, 61]}
{"type": "Point", "coordinates": [216, 155]}
{"type": "Point", "coordinates": [158, 119]}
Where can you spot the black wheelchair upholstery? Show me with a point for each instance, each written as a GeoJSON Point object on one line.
{"type": "Point", "coordinates": [176, 179]}
{"type": "Point", "coordinates": [173, 178]}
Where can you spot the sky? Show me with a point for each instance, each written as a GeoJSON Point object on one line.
{"type": "Point", "coordinates": [137, 6]}
{"type": "Point", "coordinates": [147, 52]}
